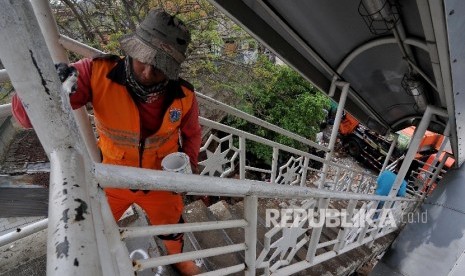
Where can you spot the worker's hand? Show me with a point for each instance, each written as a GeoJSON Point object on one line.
{"type": "Point", "coordinates": [68, 76]}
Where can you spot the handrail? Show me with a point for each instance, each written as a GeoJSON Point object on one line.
{"type": "Point", "coordinates": [4, 76]}
{"type": "Point", "coordinates": [78, 47]}
{"type": "Point", "coordinates": [249, 118]}
{"type": "Point", "coordinates": [133, 232]}
{"type": "Point", "coordinates": [176, 258]}
{"type": "Point", "coordinates": [113, 176]}
{"type": "Point", "coordinates": [22, 232]}
{"type": "Point", "coordinates": [225, 271]}
{"type": "Point", "coordinates": [258, 139]}
{"type": "Point", "coordinates": [5, 110]}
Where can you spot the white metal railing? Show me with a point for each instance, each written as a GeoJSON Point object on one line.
{"type": "Point", "coordinates": [88, 234]}
{"type": "Point", "coordinates": [256, 121]}
{"type": "Point", "coordinates": [117, 177]}
{"type": "Point", "coordinates": [222, 159]}
{"type": "Point", "coordinates": [3, 75]}
{"type": "Point", "coordinates": [5, 110]}
{"type": "Point", "coordinates": [23, 232]}
{"type": "Point", "coordinates": [423, 181]}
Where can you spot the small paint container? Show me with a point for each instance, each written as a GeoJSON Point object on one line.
{"type": "Point", "coordinates": [176, 162]}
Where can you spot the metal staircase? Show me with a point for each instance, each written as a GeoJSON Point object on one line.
{"type": "Point", "coordinates": [228, 238]}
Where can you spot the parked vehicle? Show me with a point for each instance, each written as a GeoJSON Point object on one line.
{"type": "Point", "coordinates": [365, 145]}
{"type": "Point", "coordinates": [371, 148]}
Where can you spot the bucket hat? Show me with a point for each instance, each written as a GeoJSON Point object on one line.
{"type": "Point", "coordinates": [161, 40]}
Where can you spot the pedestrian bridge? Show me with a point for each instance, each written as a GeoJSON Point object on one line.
{"type": "Point", "coordinates": [232, 236]}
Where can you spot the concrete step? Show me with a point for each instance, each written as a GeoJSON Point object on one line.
{"type": "Point", "coordinates": [198, 212]}
{"type": "Point", "coordinates": [144, 247]}
{"type": "Point", "coordinates": [7, 133]}
{"type": "Point", "coordinates": [221, 211]}
{"type": "Point", "coordinates": [23, 202]}
{"type": "Point", "coordinates": [25, 257]}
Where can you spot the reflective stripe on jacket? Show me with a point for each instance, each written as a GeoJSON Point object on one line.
{"type": "Point", "coordinates": [118, 123]}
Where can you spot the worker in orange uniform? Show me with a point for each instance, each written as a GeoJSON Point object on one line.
{"type": "Point", "coordinates": [142, 110]}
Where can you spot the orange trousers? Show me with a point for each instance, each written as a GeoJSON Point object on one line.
{"type": "Point", "coordinates": [161, 207]}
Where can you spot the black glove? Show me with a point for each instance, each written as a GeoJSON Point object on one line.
{"type": "Point", "coordinates": [70, 73]}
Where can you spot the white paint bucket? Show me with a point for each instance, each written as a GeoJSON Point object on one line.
{"type": "Point", "coordinates": [176, 162]}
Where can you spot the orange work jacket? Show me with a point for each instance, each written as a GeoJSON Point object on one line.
{"type": "Point", "coordinates": [118, 123]}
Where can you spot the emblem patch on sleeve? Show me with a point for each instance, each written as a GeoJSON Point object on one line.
{"type": "Point", "coordinates": [175, 114]}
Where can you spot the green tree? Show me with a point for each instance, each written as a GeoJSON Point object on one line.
{"type": "Point", "coordinates": [282, 97]}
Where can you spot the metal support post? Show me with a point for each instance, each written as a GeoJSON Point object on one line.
{"type": "Point", "coordinates": [72, 244]}
{"type": "Point", "coordinates": [316, 232]}
{"type": "Point", "coordinates": [341, 237]}
{"type": "Point", "coordinates": [391, 150]}
{"type": "Point", "coordinates": [441, 148]}
{"type": "Point", "coordinates": [114, 253]}
{"type": "Point", "coordinates": [274, 165]}
{"type": "Point", "coordinates": [250, 209]}
{"type": "Point", "coordinates": [27, 59]}
{"type": "Point", "coordinates": [335, 130]}
{"type": "Point", "coordinates": [3, 76]}
{"type": "Point", "coordinates": [431, 181]}
{"type": "Point", "coordinates": [414, 145]}
{"type": "Point", "coordinates": [47, 24]}
{"type": "Point", "coordinates": [242, 157]}
{"type": "Point", "coordinates": [303, 179]}
{"type": "Point", "coordinates": [5, 110]}
{"type": "Point", "coordinates": [363, 232]}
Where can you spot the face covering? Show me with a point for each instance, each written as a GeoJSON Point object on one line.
{"type": "Point", "coordinates": [145, 94]}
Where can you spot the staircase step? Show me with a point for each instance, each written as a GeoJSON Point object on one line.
{"type": "Point", "coordinates": [18, 257]}
{"type": "Point", "coordinates": [221, 211]}
{"type": "Point", "coordinates": [144, 247]}
{"type": "Point", "coordinates": [198, 212]}
{"type": "Point", "coordinates": [7, 133]}
{"type": "Point", "coordinates": [23, 202]}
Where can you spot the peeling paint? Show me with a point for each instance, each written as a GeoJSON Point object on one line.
{"type": "Point", "coordinates": [136, 265]}
{"type": "Point", "coordinates": [65, 191]}
{"type": "Point", "coordinates": [43, 81]}
{"type": "Point", "coordinates": [76, 185]}
{"type": "Point", "coordinates": [62, 248]}
{"type": "Point", "coordinates": [64, 216]}
{"type": "Point", "coordinates": [18, 230]}
{"type": "Point", "coordinates": [76, 262]}
{"type": "Point", "coordinates": [81, 210]}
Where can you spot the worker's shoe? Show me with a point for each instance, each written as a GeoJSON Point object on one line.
{"type": "Point", "coordinates": [186, 268]}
